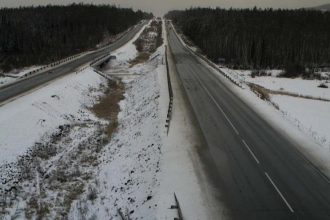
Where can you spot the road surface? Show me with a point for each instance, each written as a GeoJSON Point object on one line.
{"type": "Point", "coordinates": [259, 172]}
{"type": "Point", "coordinates": [23, 86]}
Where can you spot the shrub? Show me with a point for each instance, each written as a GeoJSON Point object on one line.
{"type": "Point", "coordinates": [92, 193]}
{"type": "Point", "coordinates": [262, 92]}
{"type": "Point", "coordinates": [293, 70]}
{"type": "Point", "coordinates": [323, 85]}
{"type": "Point", "coordinates": [255, 73]}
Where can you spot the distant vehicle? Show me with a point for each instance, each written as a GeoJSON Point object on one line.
{"type": "Point", "coordinates": [50, 72]}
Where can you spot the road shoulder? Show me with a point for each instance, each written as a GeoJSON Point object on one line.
{"type": "Point", "coordinates": [184, 168]}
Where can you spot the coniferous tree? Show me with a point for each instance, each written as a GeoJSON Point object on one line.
{"type": "Point", "coordinates": [39, 35]}
{"type": "Point", "coordinates": [255, 38]}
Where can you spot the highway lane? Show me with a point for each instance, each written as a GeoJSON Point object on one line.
{"type": "Point", "coordinates": [23, 86]}
{"type": "Point", "coordinates": [259, 172]}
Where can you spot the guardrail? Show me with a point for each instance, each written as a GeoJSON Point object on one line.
{"type": "Point", "coordinates": [171, 96]}
{"type": "Point", "coordinates": [234, 79]}
{"type": "Point", "coordinates": [100, 60]}
{"type": "Point", "coordinates": [50, 66]}
{"type": "Point", "coordinates": [177, 207]}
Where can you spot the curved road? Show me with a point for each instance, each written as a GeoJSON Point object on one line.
{"type": "Point", "coordinates": [8, 92]}
{"type": "Point", "coordinates": [259, 172]}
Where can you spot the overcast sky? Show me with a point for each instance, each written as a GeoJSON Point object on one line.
{"type": "Point", "coordinates": [159, 7]}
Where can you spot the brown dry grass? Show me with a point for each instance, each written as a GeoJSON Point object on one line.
{"type": "Point", "coordinates": [108, 107]}
{"type": "Point", "coordinates": [146, 45]}
{"type": "Point", "coordinates": [264, 93]}
{"type": "Point", "coordinates": [141, 58]}
{"type": "Point", "coordinates": [261, 91]}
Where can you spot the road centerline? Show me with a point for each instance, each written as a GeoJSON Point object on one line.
{"type": "Point", "coordinates": [218, 106]}
{"type": "Point", "coordinates": [251, 152]}
{"type": "Point", "coordinates": [279, 192]}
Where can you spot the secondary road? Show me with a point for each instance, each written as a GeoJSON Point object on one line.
{"type": "Point", "coordinates": [23, 86]}
{"type": "Point", "coordinates": [259, 172]}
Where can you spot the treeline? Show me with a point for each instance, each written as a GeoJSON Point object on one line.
{"type": "Point", "coordinates": [255, 38]}
{"type": "Point", "coordinates": [38, 35]}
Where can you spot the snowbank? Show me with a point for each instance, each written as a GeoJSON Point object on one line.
{"type": "Point", "coordinates": [26, 119]}
{"type": "Point", "coordinates": [129, 174]}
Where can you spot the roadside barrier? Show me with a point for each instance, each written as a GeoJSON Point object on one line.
{"type": "Point", "coordinates": [170, 91]}
{"type": "Point", "coordinates": [178, 207]}
{"type": "Point", "coordinates": [50, 65]}
{"type": "Point", "coordinates": [234, 79]}
{"type": "Point", "coordinates": [100, 60]}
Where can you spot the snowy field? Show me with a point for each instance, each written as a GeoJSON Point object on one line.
{"type": "Point", "coordinates": [301, 102]}
{"type": "Point", "coordinates": [57, 160]}
{"type": "Point", "coordinates": [297, 86]}
{"type": "Point", "coordinates": [294, 108]}
{"type": "Point", "coordinates": [40, 133]}
{"type": "Point", "coordinates": [25, 120]}
{"type": "Point", "coordinates": [129, 175]}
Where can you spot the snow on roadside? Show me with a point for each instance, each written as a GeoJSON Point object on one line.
{"type": "Point", "coordinates": [297, 86]}
{"type": "Point", "coordinates": [26, 119]}
{"type": "Point", "coordinates": [15, 74]}
{"type": "Point", "coordinates": [310, 116]}
{"type": "Point", "coordinates": [68, 161]}
{"type": "Point", "coordinates": [129, 175]}
{"type": "Point", "coordinates": [311, 138]}
{"type": "Point", "coordinates": [289, 126]}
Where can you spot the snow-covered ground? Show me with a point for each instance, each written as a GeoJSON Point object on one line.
{"type": "Point", "coordinates": [304, 120]}
{"type": "Point", "coordinates": [299, 101]}
{"type": "Point", "coordinates": [129, 175]}
{"type": "Point", "coordinates": [56, 160]}
{"type": "Point", "coordinates": [297, 86]}
{"type": "Point", "coordinates": [310, 116]}
{"type": "Point", "coordinates": [50, 141]}
{"type": "Point", "coordinates": [25, 120]}
{"type": "Point", "coordinates": [40, 133]}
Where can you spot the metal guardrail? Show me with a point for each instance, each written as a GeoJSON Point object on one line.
{"type": "Point", "coordinates": [41, 69]}
{"type": "Point", "coordinates": [50, 65]}
{"type": "Point", "coordinates": [56, 63]}
{"type": "Point", "coordinates": [170, 91]}
{"type": "Point", "coordinates": [177, 207]}
{"type": "Point", "coordinates": [234, 79]}
{"type": "Point", "coordinates": [100, 60]}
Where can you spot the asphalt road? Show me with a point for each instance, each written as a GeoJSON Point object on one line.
{"type": "Point", "coordinates": [259, 172]}
{"type": "Point", "coordinates": [23, 86]}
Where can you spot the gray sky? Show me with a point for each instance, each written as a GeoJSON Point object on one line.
{"type": "Point", "coordinates": [160, 7]}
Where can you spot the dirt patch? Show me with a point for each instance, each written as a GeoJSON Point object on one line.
{"type": "Point", "coordinates": [108, 107]}
{"type": "Point", "coordinates": [148, 42]}
{"type": "Point", "coordinates": [141, 58]}
{"type": "Point", "coordinates": [45, 181]}
{"type": "Point", "coordinates": [53, 173]}
{"type": "Point", "coordinates": [263, 93]}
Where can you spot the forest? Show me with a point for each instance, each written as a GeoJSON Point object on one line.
{"type": "Point", "coordinates": [39, 35]}
{"type": "Point", "coordinates": [258, 38]}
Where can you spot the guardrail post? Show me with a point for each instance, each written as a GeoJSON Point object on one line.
{"type": "Point", "coordinates": [170, 91]}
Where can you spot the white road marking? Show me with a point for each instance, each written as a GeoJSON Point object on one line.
{"type": "Point", "coordinates": [218, 106]}
{"type": "Point", "coordinates": [279, 192]}
{"type": "Point", "coordinates": [251, 152]}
